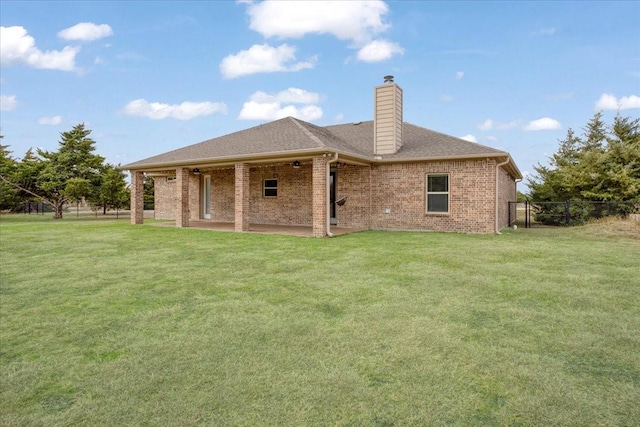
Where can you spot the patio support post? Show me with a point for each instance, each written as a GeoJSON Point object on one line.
{"type": "Point", "coordinates": [137, 197]}
{"type": "Point", "coordinates": [242, 197]}
{"type": "Point", "coordinates": [182, 187]}
{"type": "Point", "coordinates": [319, 199]}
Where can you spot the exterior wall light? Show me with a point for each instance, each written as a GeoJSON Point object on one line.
{"type": "Point", "coordinates": [196, 171]}
{"type": "Point", "coordinates": [296, 164]}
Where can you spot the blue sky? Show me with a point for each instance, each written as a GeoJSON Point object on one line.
{"type": "Point", "coordinates": [151, 76]}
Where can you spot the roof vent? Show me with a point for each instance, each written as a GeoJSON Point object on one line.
{"type": "Point", "coordinates": [388, 79]}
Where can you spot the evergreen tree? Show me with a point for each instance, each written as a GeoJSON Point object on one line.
{"type": "Point", "coordinates": [9, 195]}
{"type": "Point", "coordinates": [602, 166]}
{"type": "Point", "coordinates": [112, 193]}
{"type": "Point", "coordinates": [149, 193]}
{"type": "Point", "coordinates": [72, 171]}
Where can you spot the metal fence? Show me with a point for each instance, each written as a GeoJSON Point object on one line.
{"type": "Point", "coordinates": [566, 213]}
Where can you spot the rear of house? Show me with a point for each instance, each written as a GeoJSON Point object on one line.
{"type": "Point", "coordinates": [380, 174]}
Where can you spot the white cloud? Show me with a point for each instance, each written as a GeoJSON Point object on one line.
{"type": "Point", "coordinates": [262, 106]}
{"type": "Point", "coordinates": [490, 124]}
{"type": "Point", "coordinates": [262, 59]}
{"type": "Point", "coordinates": [185, 111]}
{"type": "Point", "coordinates": [86, 31]}
{"type": "Point", "coordinates": [379, 50]}
{"type": "Point", "coordinates": [347, 20]}
{"type": "Point", "coordinates": [54, 120]}
{"type": "Point", "coordinates": [486, 125]}
{"type": "Point", "coordinates": [459, 75]}
{"type": "Point", "coordinates": [8, 102]}
{"type": "Point", "coordinates": [356, 21]}
{"type": "Point", "coordinates": [610, 102]}
{"type": "Point", "coordinates": [339, 117]}
{"type": "Point", "coordinates": [292, 95]}
{"type": "Point", "coordinates": [545, 123]}
{"type": "Point", "coordinates": [446, 97]}
{"type": "Point", "coordinates": [18, 47]}
{"type": "Point", "coordinates": [470, 138]}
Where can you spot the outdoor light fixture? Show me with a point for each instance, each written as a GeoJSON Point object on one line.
{"type": "Point", "coordinates": [196, 171]}
{"type": "Point", "coordinates": [296, 164]}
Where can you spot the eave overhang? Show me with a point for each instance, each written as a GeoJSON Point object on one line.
{"type": "Point", "coordinates": [291, 155]}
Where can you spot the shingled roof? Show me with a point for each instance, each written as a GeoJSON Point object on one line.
{"type": "Point", "coordinates": [291, 136]}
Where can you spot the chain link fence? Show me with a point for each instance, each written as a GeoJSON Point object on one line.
{"type": "Point", "coordinates": [568, 212]}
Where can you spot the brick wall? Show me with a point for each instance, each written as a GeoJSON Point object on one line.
{"type": "Point", "coordinates": [195, 208]}
{"type": "Point", "coordinates": [222, 194]}
{"type": "Point", "coordinates": [401, 188]}
{"type": "Point", "coordinates": [292, 205]}
{"type": "Point", "coordinates": [507, 193]}
{"type": "Point", "coordinates": [137, 197]}
{"type": "Point", "coordinates": [353, 182]}
{"type": "Point", "coordinates": [183, 209]}
{"type": "Point", "coordinates": [165, 198]}
{"type": "Point", "coordinates": [319, 196]}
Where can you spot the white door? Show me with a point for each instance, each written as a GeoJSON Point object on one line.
{"type": "Point", "coordinates": [206, 197]}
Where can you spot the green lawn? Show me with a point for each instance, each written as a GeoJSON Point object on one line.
{"type": "Point", "coordinates": [105, 323]}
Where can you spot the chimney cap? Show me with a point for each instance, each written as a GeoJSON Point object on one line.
{"type": "Point", "coordinates": [388, 79]}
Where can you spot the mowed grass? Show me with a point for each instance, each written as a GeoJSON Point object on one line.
{"type": "Point", "coordinates": [105, 323]}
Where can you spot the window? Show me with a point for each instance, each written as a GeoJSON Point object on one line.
{"type": "Point", "coordinates": [270, 188]}
{"type": "Point", "coordinates": [438, 193]}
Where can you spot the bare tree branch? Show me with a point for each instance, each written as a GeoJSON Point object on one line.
{"type": "Point", "coordinates": [25, 190]}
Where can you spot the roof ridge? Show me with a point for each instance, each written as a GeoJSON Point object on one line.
{"type": "Point", "coordinates": [307, 132]}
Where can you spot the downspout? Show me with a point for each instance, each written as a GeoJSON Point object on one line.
{"type": "Point", "coordinates": [498, 166]}
{"type": "Point", "coordinates": [515, 196]}
{"type": "Point", "coordinates": [328, 194]}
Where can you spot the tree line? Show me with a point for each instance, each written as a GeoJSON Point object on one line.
{"type": "Point", "coordinates": [599, 169]}
{"type": "Point", "coordinates": [71, 174]}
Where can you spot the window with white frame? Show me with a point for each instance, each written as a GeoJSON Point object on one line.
{"type": "Point", "coordinates": [270, 188]}
{"type": "Point", "coordinates": [438, 193]}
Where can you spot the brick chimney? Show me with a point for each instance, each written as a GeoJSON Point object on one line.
{"type": "Point", "coordinates": [387, 117]}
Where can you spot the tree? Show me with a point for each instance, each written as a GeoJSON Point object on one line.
{"type": "Point", "coordinates": [9, 195]}
{"type": "Point", "coordinates": [70, 172]}
{"type": "Point", "coordinates": [601, 166]}
{"type": "Point", "coordinates": [112, 193]}
{"type": "Point", "coordinates": [26, 177]}
{"type": "Point", "coordinates": [148, 193]}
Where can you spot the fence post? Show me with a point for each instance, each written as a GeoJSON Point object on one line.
{"type": "Point", "coordinates": [567, 213]}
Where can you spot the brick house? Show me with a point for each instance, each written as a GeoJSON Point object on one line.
{"type": "Point", "coordinates": [379, 174]}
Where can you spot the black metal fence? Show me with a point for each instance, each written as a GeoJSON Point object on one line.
{"type": "Point", "coordinates": [566, 213]}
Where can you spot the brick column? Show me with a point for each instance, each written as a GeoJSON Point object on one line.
{"type": "Point", "coordinates": [319, 197]}
{"type": "Point", "coordinates": [137, 197]}
{"type": "Point", "coordinates": [182, 188]}
{"type": "Point", "coordinates": [242, 197]}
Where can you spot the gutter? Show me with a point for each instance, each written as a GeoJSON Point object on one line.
{"type": "Point", "coordinates": [498, 166]}
{"type": "Point", "coordinates": [328, 194]}
{"type": "Point", "coordinates": [296, 154]}
{"type": "Point", "coordinates": [248, 158]}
